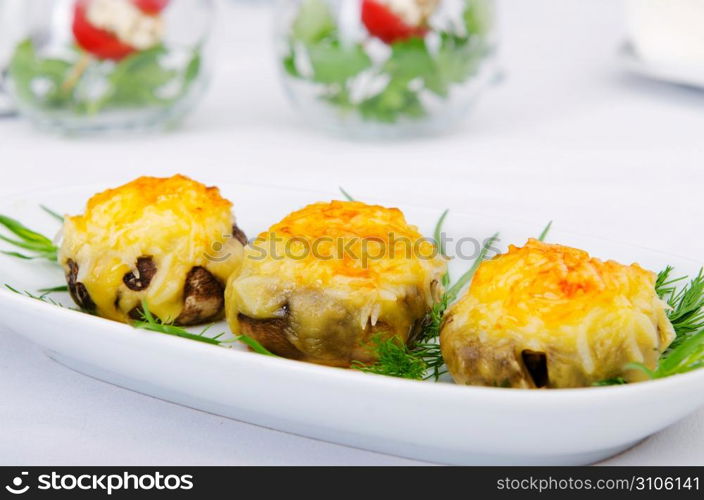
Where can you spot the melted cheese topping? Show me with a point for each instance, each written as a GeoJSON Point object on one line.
{"type": "Point", "coordinates": [178, 222]}
{"type": "Point", "coordinates": [127, 22]}
{"type": "Point", "coordinates": [590, 317]}
{"type": "Point", "coordinates": [363, 256]}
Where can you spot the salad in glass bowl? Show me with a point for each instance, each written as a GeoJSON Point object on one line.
{"type": "Point", "coordinates": [386, 67]}
{"type": "Point", "coordinates": [102, 65]}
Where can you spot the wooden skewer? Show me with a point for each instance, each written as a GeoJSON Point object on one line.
{"type": "Point", "coordinates": [76, 73]}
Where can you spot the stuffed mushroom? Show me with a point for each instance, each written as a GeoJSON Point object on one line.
{"type": "Point", "coordinates": [320, 285]}
{"type": "Point", "coordinates": [171, 242]}
{"type": "Point", "coordinates": [552, 316]}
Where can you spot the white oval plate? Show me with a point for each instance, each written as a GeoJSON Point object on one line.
{"type": "Point", "coordinates": [438, 422]}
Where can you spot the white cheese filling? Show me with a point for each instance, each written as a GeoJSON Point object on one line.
{"type": "Point", "coordinates": [412, 12]}
{"type": "Point", "coordinates": [132, 26]}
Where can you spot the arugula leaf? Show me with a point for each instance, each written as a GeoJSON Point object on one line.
{"type": "Point", "coordinates": [477, 17]}
{"type": "Point", "coordinates": [314, 22]}
{"type": "Point", "coordinates": [457, 60]}
{"type": "Point", "coordinates": [333, 62]}
{"type": "Point", "coordinates": [394, 102]}
{"type": "Point", "coordinates": [27, 70]}
{"type": "Point", "coordinates": [135, 80]}
{"type": "Point", "coordinates": [193, 70]}
{"type": "Point", "coordinates": [132, 83]}
{"type": "Point", "coordinates": [289, 63]}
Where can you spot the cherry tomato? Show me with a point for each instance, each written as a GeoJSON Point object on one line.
{"type": "Point", "coordinates": [386, 25]}
{"type": "Point", "coordinates": [98, 42]}
{"type": "Point", "coordinates": [151, 7]}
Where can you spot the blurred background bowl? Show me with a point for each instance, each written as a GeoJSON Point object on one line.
{"type": "Point", "coordinates": [69, 73]}
{"type": "Point", "coordinates": [385, 68]}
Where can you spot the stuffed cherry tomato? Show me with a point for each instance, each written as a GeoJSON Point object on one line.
{"type": "Point", "coordinates": [396, 20]}
{"type": "Point", "coordinates": [114, 29]}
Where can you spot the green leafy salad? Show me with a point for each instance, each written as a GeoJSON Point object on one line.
{"type": "Point", "coordinates": [89, 85]}
{"type": "Point", "coordinates": [387, 77]}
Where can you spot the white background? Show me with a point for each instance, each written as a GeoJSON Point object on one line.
{"type": "Point", "coordinates": [568, 136]}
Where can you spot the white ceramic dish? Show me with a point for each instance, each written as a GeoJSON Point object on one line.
{"type": "Point", "coordinates": [672, 73]}
{"type": "Point", "coordinates": [438, 422]}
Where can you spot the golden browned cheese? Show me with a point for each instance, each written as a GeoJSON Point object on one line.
{"type": "Point", "coordinates": [143, 241]}
{"type": "Point", "coordinates": [322, 282]}
{"type": "Point", "coordinates": [551, 316]}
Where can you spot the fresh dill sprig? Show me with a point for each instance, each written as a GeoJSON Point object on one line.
{"type": "Point", "coordinates": [346, 194]}
{"type": "Point", "coordinates": [55, 289]}
{"type": "Point", "coordinates": [665, 285]}
{"type": "Point", "coordinates": [44, 297]}
{"type": "Point", "coordinates": [610, 381]}
{"type": "Point", "coordinates": [686, 304]}
{"type": "Point", "coordinates": [54, 214]}
{"type": "Point", "coordinates": [686, 313]}
{"type": "Point", "coordinates": [423, 360]}
{"type": "Point", "coordinates": [684, 357]}
{"type": "Point", "coordinates": [437, 234]}
{"type": "Point", "coordinates": [254, 345]}
{"type": "Point", "coordinates": [34, 244]}
{"type": "Point", "coordinates": [154, 324]}
{"type": "Point", "coordinates": [433, 322]}
{"type": "Point", "coordinates": [686, 353]}
{"type": "Point", "coordinates": [455, 289]}
{"type": "Point", "coordinates": [395, 359]}
{"type": "Point", "coordinates": [545, 232]}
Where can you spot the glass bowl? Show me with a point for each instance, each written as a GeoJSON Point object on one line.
{"type": "Point", "coordinates": [102, 65]}
{"type": "Point", "coordinates": [380, 68]}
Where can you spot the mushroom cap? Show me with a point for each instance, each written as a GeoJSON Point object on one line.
{"type": "Point", "coordinates": [554, 308]}
{"type": "Point", "coordinates": [144, 239]}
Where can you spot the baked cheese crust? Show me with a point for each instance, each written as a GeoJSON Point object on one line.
{"type": "Point", "coordinates": [585, 317]}
{"type": "Point", "coordinates": [176, 223]}
{"type": "Point", "coordinates": [338, 273]}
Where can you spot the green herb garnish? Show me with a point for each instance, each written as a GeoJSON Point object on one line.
{"type": "Point", "coordinates": [153, 324]}
{"type": "Point", "coordinates": [686, 353]}
{"type": "Point", "coordinates": [53, 213]}
{"type": "Point", "coordinates": [423, 360]}
{"type": "Point", "coordinates": [686, 305]}
{"type": "Point", "coordinates": [347, 196]}
{"type": "Point", "coordinates": [437, 234]}
{"type": "Point", "coordinates": [33, 244]}
{"type": "Point", "coordinates": [610, 381]}
{"type": "Point", "coordinates": [545, 232]}
{"type": "Point", "coordinates": [685, 356]}
{"type": "Point", "coordinates": [395, 359]}
{"type": "Point", "coordinates": [55, 289]}
{"type": "Point", "coordinates": [44, 297]}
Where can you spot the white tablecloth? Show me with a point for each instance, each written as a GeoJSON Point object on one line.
{"type": "Point", "coordinates": [568, 136]}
